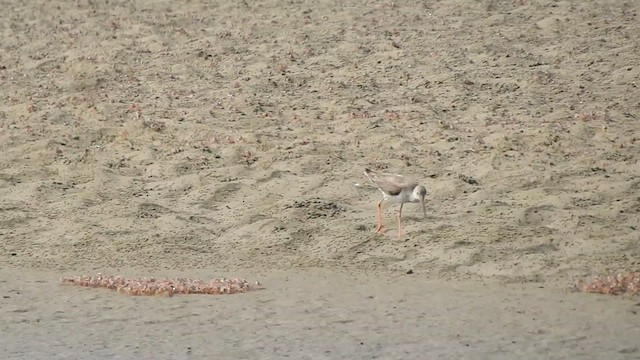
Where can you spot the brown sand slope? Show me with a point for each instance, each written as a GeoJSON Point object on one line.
{"type": "Point", "coordinates": [193, 134]}
{"type": "Point", "coordinates": [225, 137]}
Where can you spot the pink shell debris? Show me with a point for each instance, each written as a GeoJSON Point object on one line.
{"type": "Point", "coordinates": [620, 283]}
{"type": "Point", "coordinates": [168, 287]}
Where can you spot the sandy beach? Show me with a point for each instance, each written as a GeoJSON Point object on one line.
{"type": "Point", "coordinates": [318, 314]}
{"type": "Point", "coordinates": [222, 138]}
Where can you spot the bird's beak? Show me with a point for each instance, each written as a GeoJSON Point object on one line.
{"type": "Point", "coordinates": [424, 207]}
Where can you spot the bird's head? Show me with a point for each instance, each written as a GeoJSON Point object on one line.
{"type": "Point", "coordinates": [420, 192]}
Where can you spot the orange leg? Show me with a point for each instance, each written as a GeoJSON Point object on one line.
{"type": "Point", "coordinates": [379, 227]}
{"type": "Point", "coordinates": [399, 222]}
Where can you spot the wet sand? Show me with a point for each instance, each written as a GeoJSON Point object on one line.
{"type": "Point", "coordinates": [225, 138]}
{"type": "Point", "coordinates": [318, 314]}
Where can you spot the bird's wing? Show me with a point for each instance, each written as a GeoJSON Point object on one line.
{"type": "Point", "coordinates": [389, 183]}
